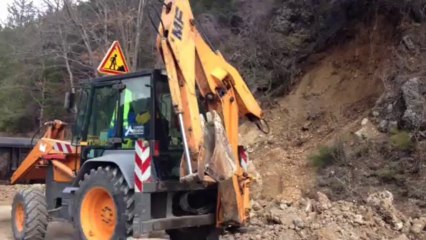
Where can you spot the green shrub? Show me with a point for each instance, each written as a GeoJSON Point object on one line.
{"type": "Point", "coordinates": [338, 187]}
{"type": "Point", "coordinates": [386, 174]}
{"type": "Point", "coordinates": [389, 174]}
{"type": "Point", "coordinates": [327, 156]}
{"type": "Point", "coordinates": [401, 140]}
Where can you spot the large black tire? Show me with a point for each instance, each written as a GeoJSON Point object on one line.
{"type": "Point", "coordinates": [32, 225]}
{"type": "Point", "coordinates": [194, 233]}
{"type": "Point", "coordinates": [110, 180]}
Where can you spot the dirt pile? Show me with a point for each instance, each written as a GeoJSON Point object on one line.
{"type": "Point", "coordinates": [321, 218]}
{"type": "Point", "coordinates": [331, 98]}
{"type": "Point", "coordinates": [7, 192]}
{"type": "Point", "coordinates": [352, 127]}
{"type": "Point", "coordinates": [395, 159]}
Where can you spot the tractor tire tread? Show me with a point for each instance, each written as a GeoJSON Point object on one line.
{"type": "Point", "coordinates": [119, 185]}
{"type": "Point", "coordinates": [36, 215]}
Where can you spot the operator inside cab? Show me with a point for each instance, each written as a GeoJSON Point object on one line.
{"type": "Point", "coordinates": [136, 108]}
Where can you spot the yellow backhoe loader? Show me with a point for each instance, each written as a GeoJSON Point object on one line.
{"type": "Point", "coordinates": [151, 150]}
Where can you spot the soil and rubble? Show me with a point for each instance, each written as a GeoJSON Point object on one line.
{"type": "Point", "coordinates": [321, 218]}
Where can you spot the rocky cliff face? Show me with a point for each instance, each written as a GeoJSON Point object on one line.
{"type": "Point", "coordinates": [293, 31]}
{"type": "Point", "coordinates": [275, 36]}
{"type": "Point", "coordinates": [269, 40]}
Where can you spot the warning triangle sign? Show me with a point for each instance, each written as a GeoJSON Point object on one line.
{"type": "Point", "coordinates": [114, 62]}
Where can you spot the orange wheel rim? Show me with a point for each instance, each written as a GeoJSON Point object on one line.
{"type": "Point", "coordinates": [20, 217]}
{"type": "Point", "coordinates": [98, 214]}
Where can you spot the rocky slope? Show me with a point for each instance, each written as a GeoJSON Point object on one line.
{"type": "Point", "coordinates": [353, 127]}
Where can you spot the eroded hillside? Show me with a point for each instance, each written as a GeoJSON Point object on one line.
{"type": "Point", "coordinates": [351, 128]}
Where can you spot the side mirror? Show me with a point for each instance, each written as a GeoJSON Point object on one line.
{"type": "Point", "coordinates": [69, 101]}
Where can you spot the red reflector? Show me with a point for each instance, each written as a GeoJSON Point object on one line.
{"type": "Point", "coordinates": [156, 148]}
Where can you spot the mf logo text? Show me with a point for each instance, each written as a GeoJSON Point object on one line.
{"type": "Point", "coordinates": [178, 24]}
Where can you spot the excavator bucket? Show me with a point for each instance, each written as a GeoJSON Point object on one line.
{"type": "Point", "coordinates": [216, 162]}
{"type": "Point", "coordinates": [220, 163]}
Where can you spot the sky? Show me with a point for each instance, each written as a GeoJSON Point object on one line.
{"type": "Point", "coordinates": [5, 3]}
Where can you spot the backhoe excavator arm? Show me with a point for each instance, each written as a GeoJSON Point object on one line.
{"type": "Point", "coordinates": [196, 71]}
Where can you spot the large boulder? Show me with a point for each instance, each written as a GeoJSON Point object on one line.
{"type": "Point", "coordinates": [414, 115]}
{"type": "Point", "coordinates": [382, 202]}
{"type": "Point", "coordinates": [368, 131]}
{"type": "Point", "coordinates": [324, 202]}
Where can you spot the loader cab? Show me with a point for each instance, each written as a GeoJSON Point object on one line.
{"type": "Point", "coordinates": [115, 112]}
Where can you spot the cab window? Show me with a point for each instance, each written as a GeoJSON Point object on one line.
{"type": "Point", "coordinates": [104, 101]}
{"type": "Point", "coordinates": [167, 125]}
{"type": "Point", "coordinates": [137, 109]}
{"type": "Point", "coordinates": [119, 113]}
